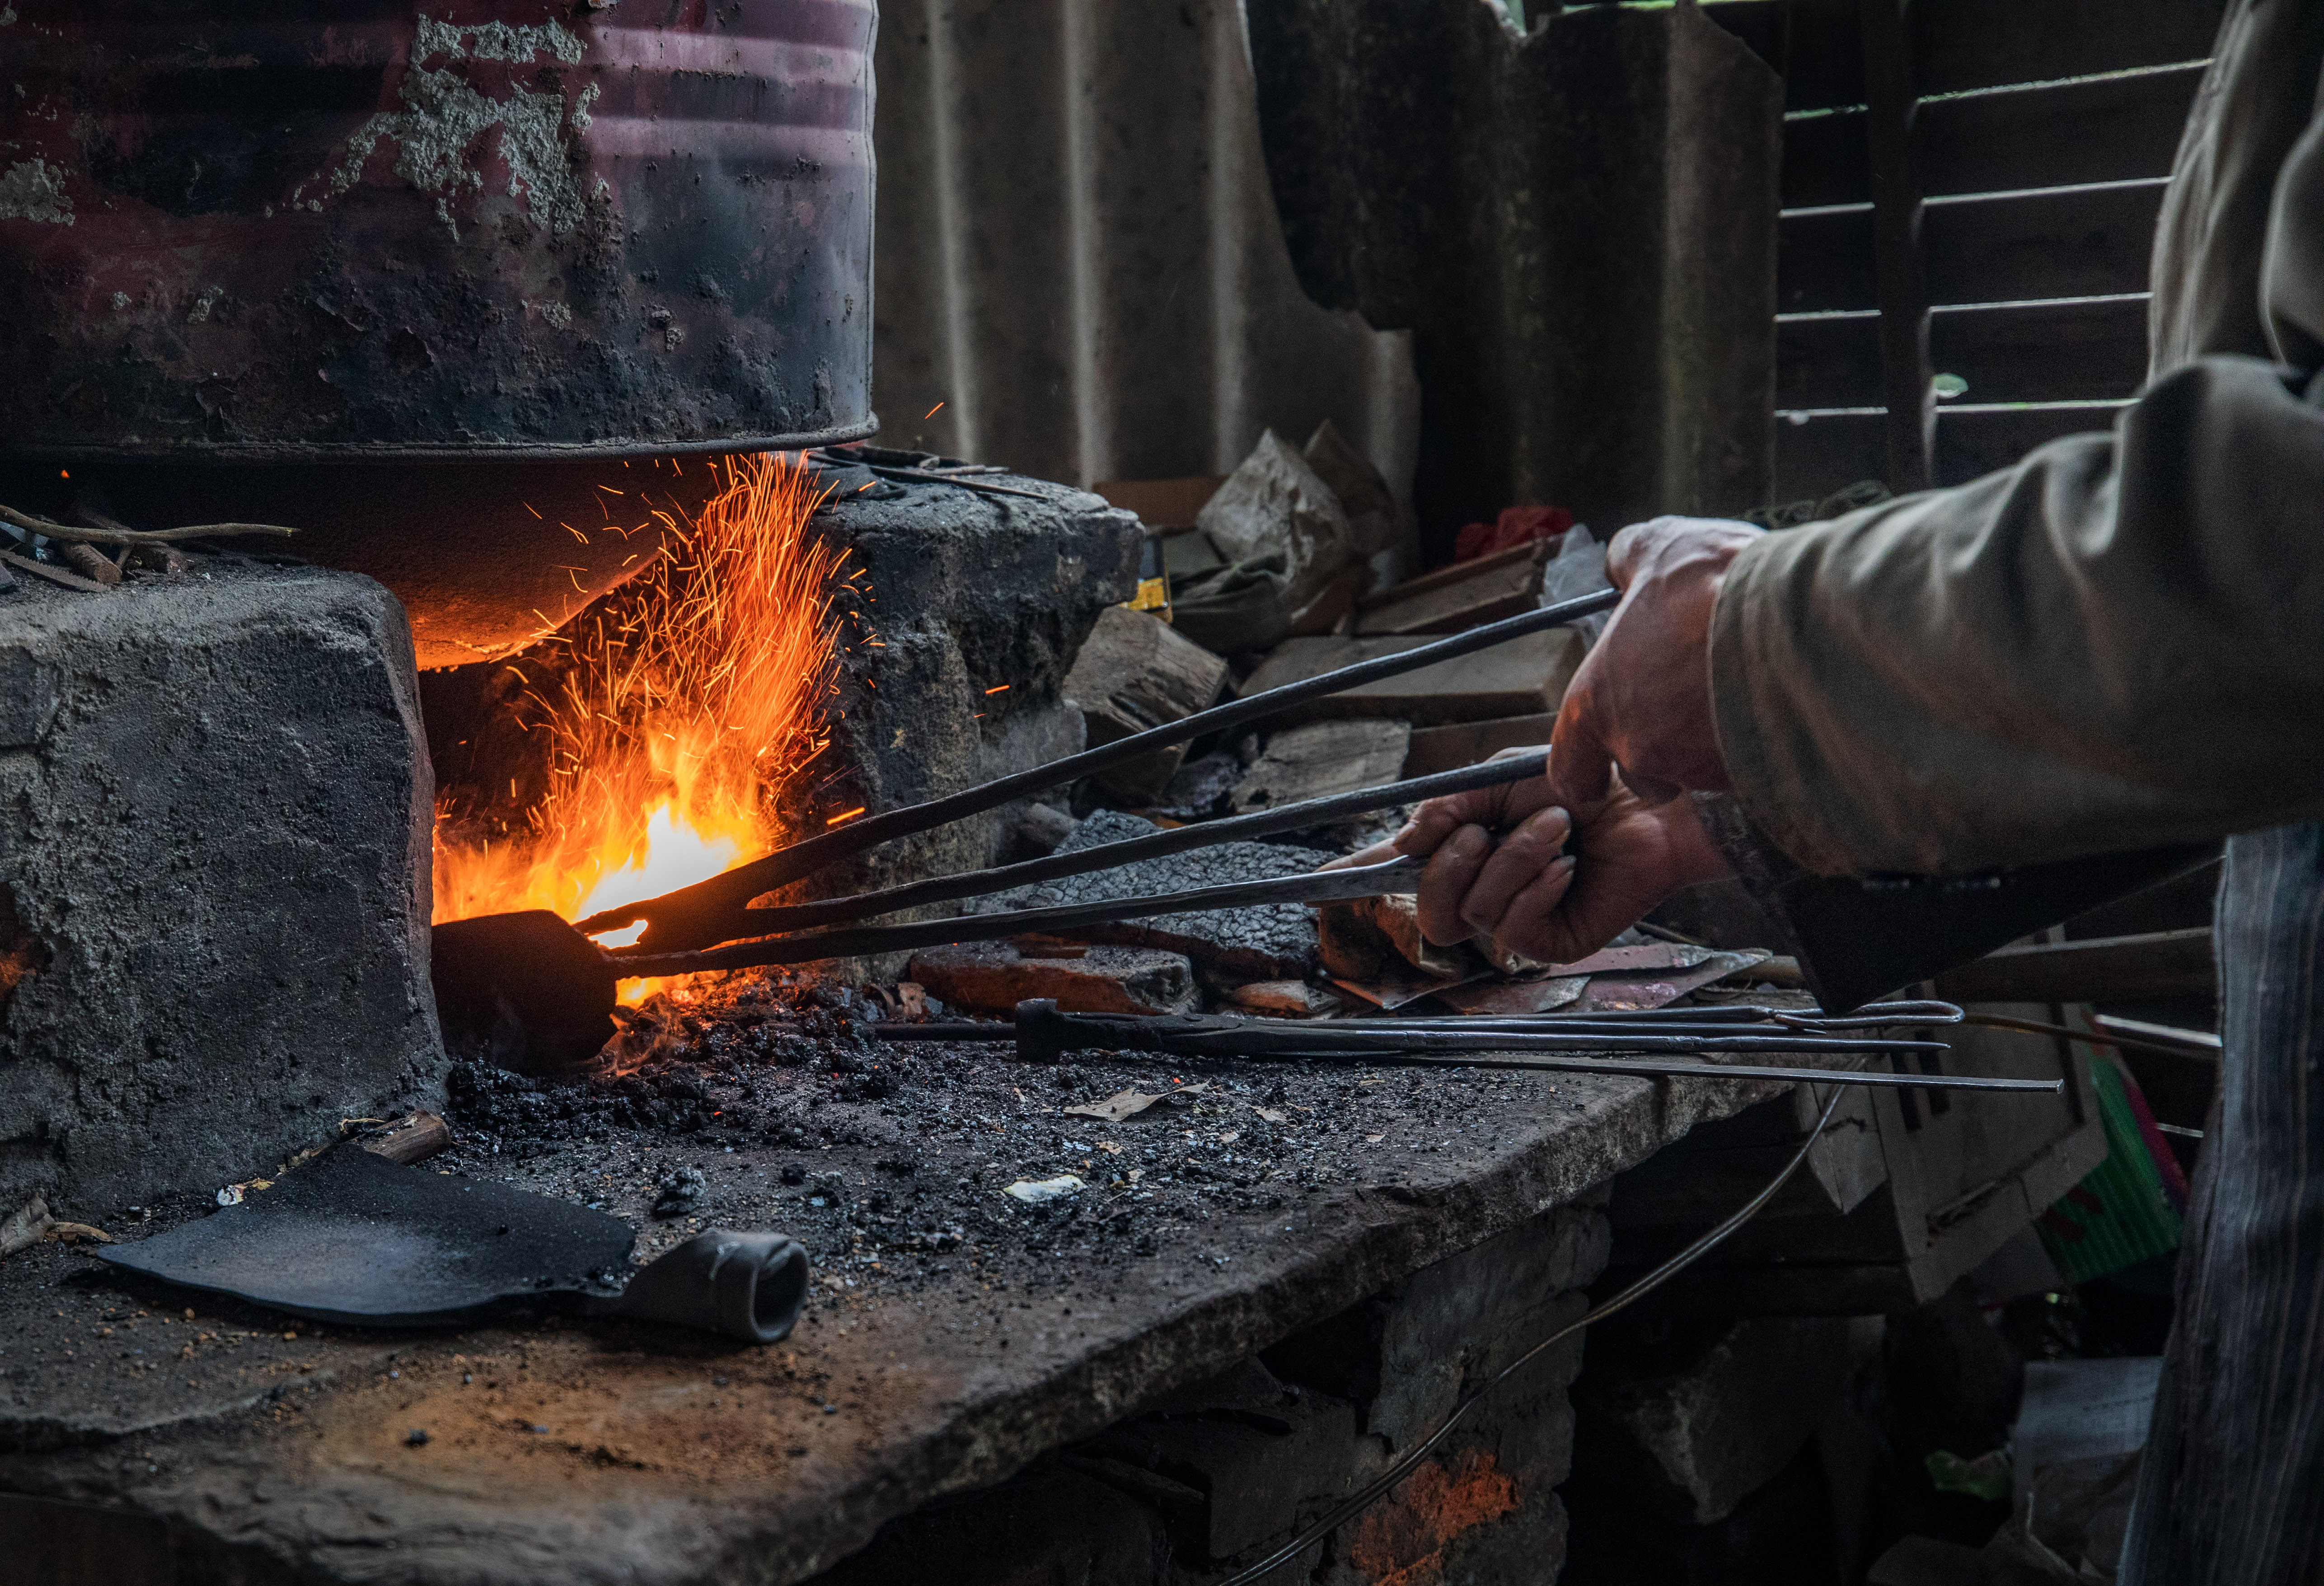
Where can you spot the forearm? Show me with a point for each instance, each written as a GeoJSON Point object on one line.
{"type": "Point", "coordinates": [2116, 644]}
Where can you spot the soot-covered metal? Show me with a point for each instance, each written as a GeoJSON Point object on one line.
{"type": "Point", "coordinates": [287, 232]}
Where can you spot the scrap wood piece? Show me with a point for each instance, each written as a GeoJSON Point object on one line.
{"type": "Point", "coordinates": [1320, 760]}
{"type": "Point", "coordinates": [1135, 671]}
{"type": "Point", "coordinates": [1364, 496]}
{"type": "Point", "coordinates": [1459, 743]}
{"type": "Point", "coordinates": [1526, 676]}
{"type": "Point", "coordinates": [1125, 1104]}
{"type": "Point", "coordinates": [53, 574]}
{"type": "Point", "coordinates": [413, 1137]}
{"type": "Point", "coordinates": [1462, 596]}
{"type": "Point", "coordinates": [25, 1226]}
{"type": "Point", "coordinates": [114, 534]}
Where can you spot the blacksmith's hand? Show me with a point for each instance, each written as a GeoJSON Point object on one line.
{"type": "Point", "coordinates": [1555, 868]}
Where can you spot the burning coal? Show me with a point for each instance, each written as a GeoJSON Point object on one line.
{"type": "Point", "coordinates": [675, 710]}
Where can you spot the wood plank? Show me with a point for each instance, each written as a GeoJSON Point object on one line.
{"type": "Point", "coordinates": [2165, 963]}
{"type": "Point", "coordinates": [1525, 677]}
{"type": "Point", "coordinates": [2043, 352]}
{"type": "Point", "coordinates": [1826, 453]}
{"type": "Point", "coordinates": [2106, 129]}
{"type": "Point", "coordinates": [1466, 743]}
{"type": "Point", "coordinates": [1967, 43]}
{"type": "Point", "coordinates": [1891, 108]}
{"type": "Point", "coordinates": [1135, 671]}
{"type": "Point", "coordinates": [1466, 595]}
{"type": "Point", "coordinates": [1320, 758]}
{"type": "Point", "coordinates": [2023, 353]}
{"type": "Point", "coordinates": [1971, 444]}
{"type": "Point", "coordinates": [1981, 43]}
{"type": "Point", "coordinates": [2058, 243]}
{"type": "Point", "coordinates": [1812, 43]}
{"type": "Point", "coordinates": [1162, 503]}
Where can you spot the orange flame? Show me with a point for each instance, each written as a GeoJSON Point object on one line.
{"type": "Point", "coordinates": [679, 710]}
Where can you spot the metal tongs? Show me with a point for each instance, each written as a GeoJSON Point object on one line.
{"type": "Point", "coordinates": [540, 994]}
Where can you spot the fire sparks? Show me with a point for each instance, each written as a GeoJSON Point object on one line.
{"type": "Point", "coordinates": [674, 711]}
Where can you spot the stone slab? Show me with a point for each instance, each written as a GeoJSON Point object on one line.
{"type": "Point", "coordinates": [921, 1369]}
{"type": "Point", "coordinates": [214, 808]}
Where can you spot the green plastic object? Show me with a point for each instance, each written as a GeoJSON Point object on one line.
{"type": "Point", "coordinates": [2121, 1214]}
{"type": "Point", "coordinates": [1987, 1476]}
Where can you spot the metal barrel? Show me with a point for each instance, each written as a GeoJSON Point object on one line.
{"type": "Point", "coordinates": [272, 231]}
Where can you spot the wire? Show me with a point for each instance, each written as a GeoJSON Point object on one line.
{"type": "Point", "coordinates": [1387, 1481]}
{"type": "Point", "coordinates": [2034, 1026]}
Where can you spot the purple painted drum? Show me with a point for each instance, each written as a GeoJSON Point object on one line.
{"type": "Point", "coordinates": [301, 231]}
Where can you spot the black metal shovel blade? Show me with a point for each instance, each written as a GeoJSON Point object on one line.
{"type": "Point", "coordinates": [353, 1237]}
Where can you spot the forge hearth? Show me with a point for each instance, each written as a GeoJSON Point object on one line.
{"type": "Point", "coordinates": [964, 610]}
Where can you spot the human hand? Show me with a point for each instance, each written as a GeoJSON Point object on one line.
{"type": "Point", "coordinates": [1641, 700]}
{"type": "Point", "coordinates": [1555, 867]}
{"type": "Point", "coordinates": [1499, 865]}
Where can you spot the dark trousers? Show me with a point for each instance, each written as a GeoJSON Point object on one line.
{"type": "Point", "coordinates": [2231, 1491]}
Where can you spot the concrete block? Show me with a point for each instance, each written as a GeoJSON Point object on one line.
{"type": "Point", "coordinates": [1262, 1453]}
{"type": "Point", "coordinates": [1408, 1354]}
{"type": "Point", "coordinates": [1698, 1422]}
{"type": "Point", "coordinates": [1483, 1506]}
{"type": "Point", "coordinates": [215, 812]}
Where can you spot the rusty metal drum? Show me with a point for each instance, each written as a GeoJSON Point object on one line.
{"type": "Point", "coordinates": [264, 231]}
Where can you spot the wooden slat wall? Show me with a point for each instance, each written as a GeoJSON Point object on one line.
{"type": "Point", "coordinates": [2043, 177]}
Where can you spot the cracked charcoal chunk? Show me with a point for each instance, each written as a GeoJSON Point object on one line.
{"type": "Point", "coordinates": [1275, 941]}
{"type": "Point", "coordinates": [681, 1193]}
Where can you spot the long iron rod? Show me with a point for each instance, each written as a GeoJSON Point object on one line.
{"type": "Point", "coordinates": [1659, 1068]}
{"type": "Point", "coordinates": [676, 920]}
{"type": "Point", "coordinates": [1322, 886]}
{"type": "Point", "coordinates": [1291, 817]}
{"type": "Point", "coordinates": [1755, 1016]}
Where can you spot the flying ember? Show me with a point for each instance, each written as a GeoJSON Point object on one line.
{"type": "Point", "coordinates": [675, 710]}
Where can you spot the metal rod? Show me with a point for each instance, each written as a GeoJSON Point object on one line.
{"type": "Point", "coordinates": [1322, 886]}
{"type": "Point", "coordinates": [1659, 1068]}
{"type": "Point", "coordinates": [676, 919]}
{"type": "Point", "coordinates": [1756, 1020]}
{"type": "Point", "coordinates": [1291, 817]}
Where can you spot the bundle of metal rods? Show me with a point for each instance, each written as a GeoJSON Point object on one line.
{"type": "Point", "coordinates": [1658, 1042]}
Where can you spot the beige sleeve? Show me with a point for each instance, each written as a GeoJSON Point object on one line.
{"type": "Point", "coordinates": [2118, 643]}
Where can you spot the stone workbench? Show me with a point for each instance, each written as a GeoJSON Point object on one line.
{"type": "Point", "coordinates": [956, 1336]}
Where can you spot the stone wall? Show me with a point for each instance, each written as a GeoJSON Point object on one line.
{"type": "Point", "coordinates": [214, 882]}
